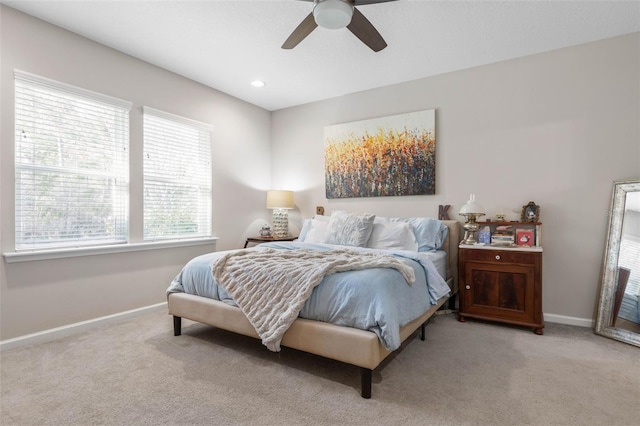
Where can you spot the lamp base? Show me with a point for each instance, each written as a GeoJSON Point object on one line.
{"type": "Point", "coordinates": [280, 223]}
{"type": "Point", "coordinates": [470, 228]}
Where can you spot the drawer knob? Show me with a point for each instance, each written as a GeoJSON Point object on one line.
{"type": "Point", "coordinates": [497, 257]}
{"type": "Point", "coordinates": [468, 287]}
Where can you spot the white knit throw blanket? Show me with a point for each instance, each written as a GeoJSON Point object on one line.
{"type": "Point", "coordinates": [271, 286]}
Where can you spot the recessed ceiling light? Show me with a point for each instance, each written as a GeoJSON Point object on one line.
{"type": "Point", "coordinates": [258, 83]}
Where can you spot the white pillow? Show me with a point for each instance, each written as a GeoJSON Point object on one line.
{"type": "Point", "coordinates": [317, 232]}
{"type": "Point", "coordinates": [393, 236]}
{"type": "Point", "coordinates": [349, 229]}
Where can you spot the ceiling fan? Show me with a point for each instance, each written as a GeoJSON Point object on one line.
{"type": "Point", "coordinates": [334, 14]}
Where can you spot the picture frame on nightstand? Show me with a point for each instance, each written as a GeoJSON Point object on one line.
{"type": "Point", "coordinates": [525, 237]}
{"type": "Point", "coordinates": [530, 212]}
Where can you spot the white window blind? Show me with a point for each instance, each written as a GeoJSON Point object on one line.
{"type": "Point", "coordinates": [177, 177]}
{"type": "Point", "coordinates": [71, 164]}
{"type": "Point", "coordinates": [630, 259]}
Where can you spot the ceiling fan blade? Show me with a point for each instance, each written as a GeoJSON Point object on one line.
{"type": "Point", "coordinates": [360, 2]}
{"type": "Point", "coordinates": [366, 32]}
{"type": "Point", "coordinates": [304, 29]}
{"type": "Point", "coordinates": [365, 2]}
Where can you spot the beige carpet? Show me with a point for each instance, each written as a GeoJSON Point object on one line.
{"type": "Point", "coordinates": [138, 373]}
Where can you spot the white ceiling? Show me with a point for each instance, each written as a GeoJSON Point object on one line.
{"type": "Point", "coordinates": [227, 44]}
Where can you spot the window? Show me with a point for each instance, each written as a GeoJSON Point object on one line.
{"type": "Point", "coordinates": [71, 165]}
{"type": "Point", "coordinates": [630, 259]}
{"type": "Point", "coordinates": [177, 177]}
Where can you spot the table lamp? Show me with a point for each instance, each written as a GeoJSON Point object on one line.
{"type": "Point", "coordinates": [280, 201]}
{"type": "Point", "coordinates": [471, 211]}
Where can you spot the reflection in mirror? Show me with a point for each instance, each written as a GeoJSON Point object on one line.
{"type": "Point", "coordinates": [628, 291]}
{"type": "Point", "coordinates": [619, 305]}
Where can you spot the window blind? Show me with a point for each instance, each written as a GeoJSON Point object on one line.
{"type": "Point", "coordinates": [71, 165]}
{"type": "Point", "coordinates": [630, 259]}
{"type": "Point", "coordinates": [177, 177]}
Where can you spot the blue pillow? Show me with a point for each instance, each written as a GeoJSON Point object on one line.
{"type": "Point", "coordinates": [430, 232]}
{"type": "Point", "coordinates": [307, 225]}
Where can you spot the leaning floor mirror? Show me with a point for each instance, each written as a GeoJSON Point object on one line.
{"type": "Point", "coordinates": [619, 305]}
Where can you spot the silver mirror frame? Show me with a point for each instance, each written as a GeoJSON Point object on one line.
{"type": "Point", "coordinates": [603, 325]}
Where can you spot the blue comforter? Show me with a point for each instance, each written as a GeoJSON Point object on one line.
{"type": "Point", "coordinates": [379, 300]}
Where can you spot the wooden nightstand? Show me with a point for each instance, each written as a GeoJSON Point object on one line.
{"type": "Point", "coordinates": [501, 284]}
{"type": "Point", "coordinates": [259, 240]}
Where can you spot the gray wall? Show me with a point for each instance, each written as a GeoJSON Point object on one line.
{"type": "Point", "coordinates": [555, 128]}
{"type": "Point", "coordinates": [40, 295]}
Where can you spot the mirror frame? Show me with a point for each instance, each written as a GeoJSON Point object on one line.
{"type": "Point", "coordinates": [603, 325]}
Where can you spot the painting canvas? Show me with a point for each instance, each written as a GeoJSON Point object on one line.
{"type": "Point", "coordinates": [388, 156]}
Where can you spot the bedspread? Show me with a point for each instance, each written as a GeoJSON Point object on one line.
{"type": "Point", "coordinates": [381, 306]}
{"type": "Point", "coordinates": [270, 286]}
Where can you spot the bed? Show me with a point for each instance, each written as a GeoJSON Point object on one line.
{"type": "Point", "coordinates": [364, 348]}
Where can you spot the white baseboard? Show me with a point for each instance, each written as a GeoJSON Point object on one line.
{"type": "Point", "coordinates": [68, 330]}
{"type": "Point", "coordinates": [561, 319]}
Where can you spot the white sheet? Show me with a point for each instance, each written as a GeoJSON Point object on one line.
{"type": "Point", "coordinates": [439, 259]}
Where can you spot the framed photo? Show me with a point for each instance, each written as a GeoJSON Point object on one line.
{"type": "Point", "coordinates": [530, 213]}
{"type": "Point", "coordinates": [525, 237]}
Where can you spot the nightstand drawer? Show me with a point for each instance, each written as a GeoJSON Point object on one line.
{"type": "Point", "coordinates": [501, 256]}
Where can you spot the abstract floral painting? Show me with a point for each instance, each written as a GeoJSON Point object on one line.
{"type": "Point", "coordinates": [387, 156]}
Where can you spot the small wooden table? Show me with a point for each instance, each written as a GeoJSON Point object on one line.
{"type": "Point", "coordinates": [259, 240]}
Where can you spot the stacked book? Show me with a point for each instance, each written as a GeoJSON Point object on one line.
{"type": "Point", "coordinates": [503, 236]}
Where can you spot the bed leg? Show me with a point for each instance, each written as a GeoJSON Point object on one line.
{"type": "Point", "coordinates": [452, 302]}
{"type": "Point", "coordinates": [365, 382]}
{"type": "Point", "coordinates": [423, 333]}
{"type": "Point", "coordinates": [177, 325]}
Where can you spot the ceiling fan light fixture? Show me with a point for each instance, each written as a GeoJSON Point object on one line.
{"type": "Point", "coordinates": [332, 14]}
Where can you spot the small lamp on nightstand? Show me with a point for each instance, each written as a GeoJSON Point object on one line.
{"type": "Point", "coordinates": [280, 201]}
{"type": "Point", "coordinates": [471, 211]}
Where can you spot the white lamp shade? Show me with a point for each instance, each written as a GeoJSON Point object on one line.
{"type": "Point", "coordinates": [332, 14]}
{"type": "Point", "coordinates": [279, 199]}
{"type": "Point", "coordinates": [472, 207]}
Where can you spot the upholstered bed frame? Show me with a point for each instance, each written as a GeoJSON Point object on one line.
{"type": "Point", "coordinates": [350, 345]}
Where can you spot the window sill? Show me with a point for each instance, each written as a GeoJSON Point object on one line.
{"type": "Point", "coordinates": [28, 256]}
